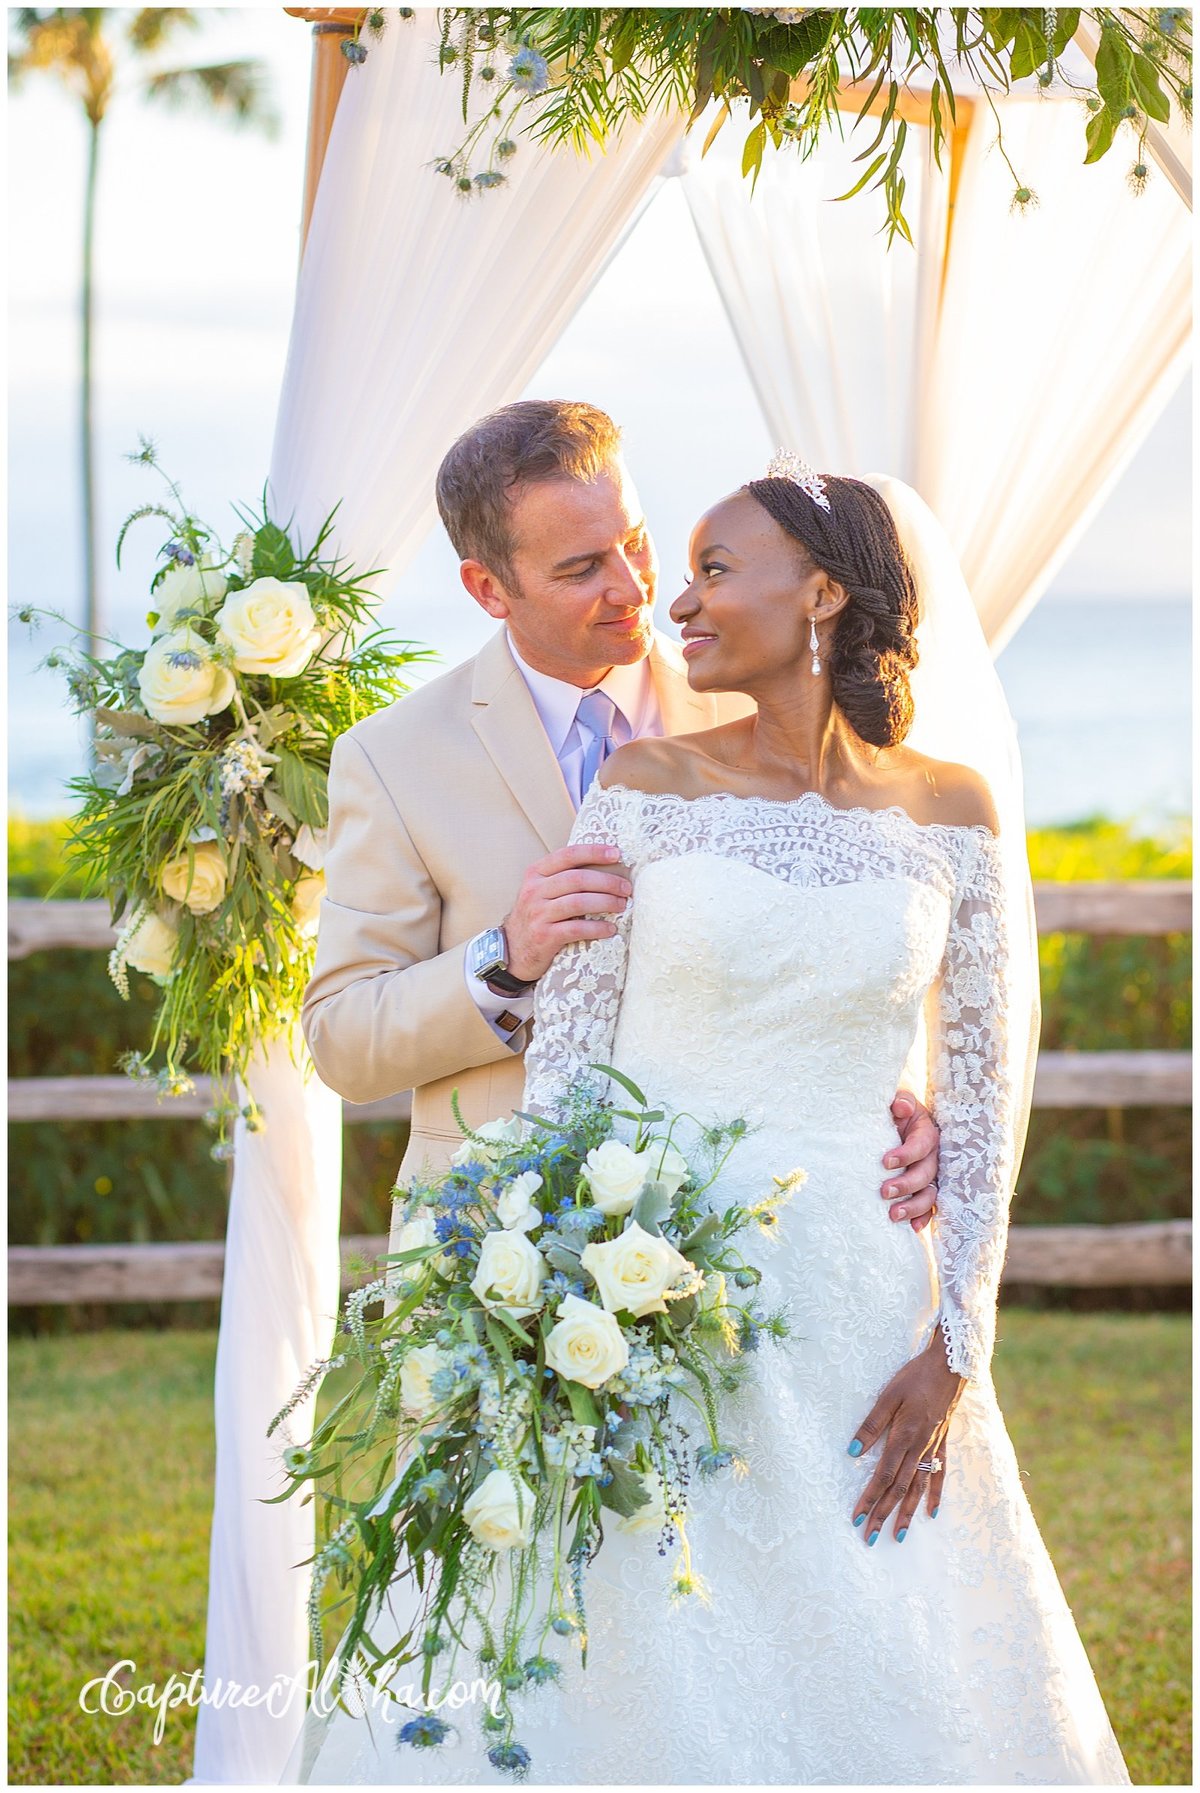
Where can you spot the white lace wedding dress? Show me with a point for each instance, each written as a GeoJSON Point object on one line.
{"type": "Point", "coordinates": [775, 962]}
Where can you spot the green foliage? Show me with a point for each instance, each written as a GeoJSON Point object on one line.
{"type": "Point", "coordinates": [1097, 1407]}
{"type": "Point", "coordinates": [582, 73]}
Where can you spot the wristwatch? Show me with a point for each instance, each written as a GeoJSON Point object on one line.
{"type": "Point", "coordinates": [488, 955]}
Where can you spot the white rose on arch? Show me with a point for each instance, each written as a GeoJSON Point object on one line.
{"type": "Point", "coordinates": [198, 587]}
{"type": "Point", "coordinates": [306, 901]}
{"type": "Point", "coordinates": [271, 627]}
{"type": "Point", "coordinates": [652, 1516]}
{"type": "Point", "coordinates": [180, 682]}
{"type": "Point", "coordinates": [151, 945]}
{"type": "Point", "coordinates": [201, 887]}
{"type": "Point", "coordinates": [633, 1270]}
{"type": "Point", "coordinates": [416, 1373]}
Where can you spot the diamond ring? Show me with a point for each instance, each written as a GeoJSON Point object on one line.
{"type": "Point", "coordinates": [933, 1465]}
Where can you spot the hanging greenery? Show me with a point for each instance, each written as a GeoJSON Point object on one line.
{"type": "Point", "coordinates": [575, 75]}
{"type": "Point", "coordinates": [203, 816]}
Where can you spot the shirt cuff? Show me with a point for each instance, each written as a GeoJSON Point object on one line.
{"type": "Point", "coordinates": [505, 1015]}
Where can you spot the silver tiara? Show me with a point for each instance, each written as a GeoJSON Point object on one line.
{"type": "Point", "coordinates": [789, 465]}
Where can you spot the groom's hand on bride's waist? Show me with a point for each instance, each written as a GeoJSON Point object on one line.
{"type": "Point", "coordinates": [912, 1163]}
{"type": "Point", "coordinates": [573, 894]}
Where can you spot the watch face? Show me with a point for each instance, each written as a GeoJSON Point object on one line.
{"type": "Point", "coordinates": [488, 954]}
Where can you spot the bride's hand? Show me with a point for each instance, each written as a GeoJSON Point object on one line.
{"type": "Point", "coordinates": [912, 1415]}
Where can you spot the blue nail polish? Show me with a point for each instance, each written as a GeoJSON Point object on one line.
{"type": "Point", "coordinates": [902, 1534]}
{"type": "Point", "coordinates": [936, 1510]}
{"type": "Point", "coordinates": [860, 1519]}
{"type": "Point", "coordinates": [854, 1448]}
{"type": "Point", "coordinates": [872, 1537]}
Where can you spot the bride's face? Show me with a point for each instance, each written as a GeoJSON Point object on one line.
{"type": "Point", "coordinates": [751, 597]}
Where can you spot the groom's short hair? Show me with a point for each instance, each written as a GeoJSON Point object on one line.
{"type": "Point", "coordinates": [529, 443]}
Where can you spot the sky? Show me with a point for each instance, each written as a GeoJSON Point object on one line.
{"type": "Point", "coordinates": [197, 243]}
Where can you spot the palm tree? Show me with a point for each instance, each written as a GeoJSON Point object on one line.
{"type": "Point", "coordinates": [89, 48]}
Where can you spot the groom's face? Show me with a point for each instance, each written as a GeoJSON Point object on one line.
{"type": "Point", "coordinates": [581, 595]}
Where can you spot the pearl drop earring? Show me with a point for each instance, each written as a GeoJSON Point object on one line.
{"type": "Point", "coordinates": [815, 645]}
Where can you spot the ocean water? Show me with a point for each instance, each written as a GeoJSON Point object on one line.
{"type": "Point", "coordinates": [1100, 691]}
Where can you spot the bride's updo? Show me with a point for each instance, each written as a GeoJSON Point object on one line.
{"type": "Point", "coordinates": [874, 645]}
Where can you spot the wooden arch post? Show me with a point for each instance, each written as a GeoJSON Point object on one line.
{"type": "Point", "coordinates": [331, 26]}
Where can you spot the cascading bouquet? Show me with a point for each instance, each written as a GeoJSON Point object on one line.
{"type": "Point", "coordinates": [202, 817]}
{"type": "Point", "coordinates": [557, 1299]}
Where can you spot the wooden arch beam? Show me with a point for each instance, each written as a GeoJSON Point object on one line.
{"type": "Point", "coordinates": [331, 25]}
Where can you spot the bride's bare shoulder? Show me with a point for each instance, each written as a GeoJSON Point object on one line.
{"type": "Point", "coordinates": [661, 765]}
{"type": "Point", "coordinates": [944, 791]}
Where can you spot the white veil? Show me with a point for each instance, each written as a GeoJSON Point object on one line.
{"type": "Point", "coordinates": [961, 714]}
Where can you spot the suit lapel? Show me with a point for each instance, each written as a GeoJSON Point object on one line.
{"type": "Point", "coordinates": [684, 711]}
{"type": "Point", "coordinates": [508, 725]}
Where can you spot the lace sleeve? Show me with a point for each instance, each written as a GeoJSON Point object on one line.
{"type": "Point", "coordinates": [971, 1098]}
{"type": "Point", "coordinates": [575, 1008]}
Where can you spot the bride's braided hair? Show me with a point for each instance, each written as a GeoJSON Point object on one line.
{"type": "Point", "coordinates": [874, 645]}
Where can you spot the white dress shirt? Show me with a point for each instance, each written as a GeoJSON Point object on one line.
{"type": "Point", "coordinates": [631, 688]}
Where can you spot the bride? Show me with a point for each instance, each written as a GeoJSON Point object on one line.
{"type": "Point", "coordinates": [824, 893]}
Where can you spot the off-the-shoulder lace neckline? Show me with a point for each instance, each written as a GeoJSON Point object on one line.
{"type": "Point", "coordinates": [837, 809]}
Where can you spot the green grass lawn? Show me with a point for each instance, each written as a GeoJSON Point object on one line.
{"type": "Point", "coordinates": [111, 1459]}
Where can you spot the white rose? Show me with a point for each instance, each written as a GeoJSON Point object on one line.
{"type": "Point", "coordinates": [509, 1273]}
{"type": "Point", "coordinates": [204, 890]}
{"type": "Point", "coordinates": [416, 1372]}
{"type": "Point", "coordinates": [151, 946]}
{"type": "Point", "coordinates": [499, 1135]}
{"type": "Point", "coordinates": [271, 627]}
{"type": "Point", "coordinates": [180, 682]}
{"type": "Point", "coordinates": [306, 901]}
{"type": "Point", "coordinates": [197, 587]}
{"type": "Point", "coordinates": [515, 1207]}
{"type": "Point", "coordinates": [585, 1344]}
{"type": "Point", "coordinates": [651, 1517]}
{"type": "Point", "coordinates": [415, 1234]}
{"type": "Point", "coordinates": [309, 846]}
{"type": "Point", "coordinates": [615, 1175]}
{"type": "Point", "coordinates": [500, 1513]}
{"type": "Point", "coordinates": [667, 1167]}
{"type": "Point", "coordinates": [632, 1270]}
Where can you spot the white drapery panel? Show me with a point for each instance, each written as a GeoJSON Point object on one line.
{"type": "Point", "coordinates": [418, 311]}
{"type": "Point", "coordinates": [415, 313]}
{"type": "Point", "coordinates": [279, 1301]}
{"type": "Point", "coordinates": [1010, 368]}
{"type": "Point", "coordinates": [832, 325]}
{"type": "Point", "coordinates": [1061, 336]}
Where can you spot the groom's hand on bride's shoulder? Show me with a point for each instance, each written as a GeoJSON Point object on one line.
{"type": "Point", "coordinates": [912, 1163]}
{"type": "Point", "coordinates": [573, 894]}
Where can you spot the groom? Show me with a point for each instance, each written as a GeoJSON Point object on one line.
{"type": "Point", "coordinates": [449, 888]}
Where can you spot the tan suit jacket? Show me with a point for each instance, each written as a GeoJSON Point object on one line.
{"type": "Point", "coordinates": [437, 806]}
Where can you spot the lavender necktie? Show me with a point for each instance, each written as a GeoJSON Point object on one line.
{"type": "Point", "coordinates": [595, 714]}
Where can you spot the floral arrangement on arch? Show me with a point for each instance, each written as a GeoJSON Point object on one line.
{"type": "Point", "coordinates": [202, 816]}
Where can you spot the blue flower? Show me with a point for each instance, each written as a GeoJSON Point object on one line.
{"type": "Point", "coordinates": [540, 1669]}
{"type": "Point", "coordinates": [433, 1488]}
{"type": "Point", "coordinates": [425, 1731]}
{"type": "Point", "coordinates": [177, 551]}
{"type": "Point", "coordinates": [354, 52]}
{"type": "Point", "coordinates": [709, 1460]}
{"type": "Point", "coordinates": [513, 1758]}
{"type": "Point", "coordinates": [186, 659]}
{"type": "Point", "coordinates": [528, 71]}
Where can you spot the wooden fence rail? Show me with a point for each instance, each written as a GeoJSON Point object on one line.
{"type": "Point", "coordinates": [1075, 1256]}
{"type": "Point", "coordinates": [1083, 1257]}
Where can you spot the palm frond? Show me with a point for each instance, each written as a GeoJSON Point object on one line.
{"type": "Point", "coordinates": [151, 26]}
{"type": "Point", "coordinates": [238, 90]}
